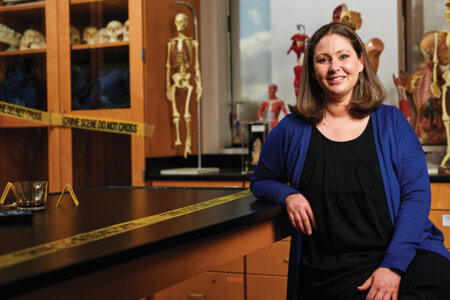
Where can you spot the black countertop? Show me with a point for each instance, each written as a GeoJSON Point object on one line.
{"type": "Point", "coordinates": [102, 207]}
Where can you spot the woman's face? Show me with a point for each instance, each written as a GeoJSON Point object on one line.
{"type": "Point", "coordinates": [336, 67]}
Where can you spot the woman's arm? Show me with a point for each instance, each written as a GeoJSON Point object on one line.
{"type": "Point", "coordinates": [415, 197]}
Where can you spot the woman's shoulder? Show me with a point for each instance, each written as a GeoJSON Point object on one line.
{"type": "Point", "coordinates": [388, 113]}
{"type": "Point", "coordinates": [292, 119]}
{"type": "Point", "coordinates": [387, 109]}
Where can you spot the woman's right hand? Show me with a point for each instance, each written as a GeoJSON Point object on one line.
{"type": "Point", "coordinates": [300, 213]}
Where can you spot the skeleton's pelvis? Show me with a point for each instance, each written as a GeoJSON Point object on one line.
{"type": "Point", "coordinates": [181, 80]}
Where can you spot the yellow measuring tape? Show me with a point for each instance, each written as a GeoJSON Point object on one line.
{"type": "Point", "coordinates": [20, 256]}
{"type": "Point", "coordinates": [74, 121]}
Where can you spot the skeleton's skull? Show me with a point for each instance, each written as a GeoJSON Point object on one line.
{"type": "Point", "coordinates": [90, 35]}
{"type": "Point", "coordinates": [103, 36]}
{"type": "Point", "coordinates": [32, 39]}
{"type": "Point", "coordinates": [126, 31]}
{"type": "Point", "coordinates": [181, 22]}
{"type": "Point", "coordinates": [114, 29]}
{"type": "Point", "coordinates": [75, 37]}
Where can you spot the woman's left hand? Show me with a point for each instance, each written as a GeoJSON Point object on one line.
{"type": "Point", "coordinates": [383, 283]}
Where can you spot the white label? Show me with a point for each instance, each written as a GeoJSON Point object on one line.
{"type": "Point", "coordinates": [258, 128]}
{"type": "Point", "coordinates": [446, 220]}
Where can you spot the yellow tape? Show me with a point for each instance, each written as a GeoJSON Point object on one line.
{"type": "Point", "coordinates": [68, 187]}
{"type": "Point", "coordinates": [27, 254]}
{"type": "Point", "coordinates": [74, 121]}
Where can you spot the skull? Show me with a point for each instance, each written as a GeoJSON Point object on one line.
{"type": "Point", "coordinates": [126, 31]}
{"type": "Point", "coordinates": [103, 36]}
{"type": "Point", "coordinates": [181, 22]}
{"type": "Point", "coordinates": [90, 35]}
{"type": "Point", "coordinates": [32, 39]}
{"type": "Point", "coordinates": [75, 38]}
{"type": "Point", "coordinates": [114, 29]}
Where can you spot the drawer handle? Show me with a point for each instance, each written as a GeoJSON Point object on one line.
{"type": "Point", "coordinates": [190, 295]}
{"type": "Point", "coordinates": [286, 260]}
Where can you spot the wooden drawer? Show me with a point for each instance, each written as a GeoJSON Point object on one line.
{"type": "Point", "coordinates": [206, 286]}
{"type": "Point", "coordinates": [235, 266]}
{"type": "Point", "coordinates": [262, 287]}
{"type": "Point", "coordinates": [271, 260]}
{"type": "Point", "coordinates": [437, 217]}
{"type": "Point", "coordinates": [440, 196]}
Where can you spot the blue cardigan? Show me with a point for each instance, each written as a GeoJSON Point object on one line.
{"type": "Point", "coordinates": [405, 178]}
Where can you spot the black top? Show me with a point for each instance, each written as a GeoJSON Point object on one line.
{"type": "Point", "coordinates": [343, 183]}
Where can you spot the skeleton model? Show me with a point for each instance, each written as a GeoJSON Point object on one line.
{"type": "Point", "coordinates": [182, 51]}
{"type": "Point", "coordinates": [425, 91]}
{"type": "Point", "coordinates": [445, 116]}
{"type": "Point", "coordinates": [445, 101]}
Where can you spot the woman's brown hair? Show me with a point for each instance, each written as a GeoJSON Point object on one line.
{"type": "Point", "coordinates": [368, 93]}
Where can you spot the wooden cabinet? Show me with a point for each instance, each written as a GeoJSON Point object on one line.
{"type": "Point", "coordinates": [208, 285]}
{"type": "Point", "coordinates": [440, 209]}
{"type": "Point", "coordinates": [119, 80]}
{"type": "Point", "coordinates": [26, 78]}
{"type": "Point", "coordinates": [258, 275]}
{"type": "Point", "coordinates": [265, 287]}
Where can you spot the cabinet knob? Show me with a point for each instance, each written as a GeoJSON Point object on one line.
{"type": "Point", "coordinates": [286, 260]}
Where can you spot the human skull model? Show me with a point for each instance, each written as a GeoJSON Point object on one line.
{"type": "Point", "coordinates": [103, 36]}
{"type": "Point", "coordinates": [90, 35]}
{"type": "Point", "coordinates": [114, 29]}
{"type": "Point", "coordinates": [126, 31]}
{"type": "Point", "coordinates": [32, 39]}
{"type": "Point", "coordinates": [75, 37]}
{"type": "Point", "coordinates": [181, 22]}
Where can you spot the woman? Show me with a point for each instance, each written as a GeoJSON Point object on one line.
{"type": "Point", "coordinates": [352, 176]}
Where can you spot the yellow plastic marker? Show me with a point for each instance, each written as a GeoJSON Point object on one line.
{"type": "Point", "coordinates": [68, 188]}
{"type": "Point", "coordinates": [9, 186]}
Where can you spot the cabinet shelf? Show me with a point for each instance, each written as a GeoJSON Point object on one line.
{"type": "Point", "coordinates": [23, 7]}
{"type": "Point", "coordinates": [23, 52]}
{"type": "Point", "coordinates": [99, 46]}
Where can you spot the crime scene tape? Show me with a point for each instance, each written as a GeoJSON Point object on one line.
{"type": "Point", "coordinates": [27, 254]}
{"type": "Point", "coordinates": [74, 121]}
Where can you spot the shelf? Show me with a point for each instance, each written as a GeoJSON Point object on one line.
{"type": "Point", "coordinates": [109, 8]}
{"type": "Point", "coordinates": [23, 7]}
{"type": "Point", "coordinates": [99, 46]}
{"type": "Point", "coordinates": [23, 52]}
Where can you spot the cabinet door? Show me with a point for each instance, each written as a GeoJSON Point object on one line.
{"type": "Point", "coordinates": [271, 260]}
{"type": "Point", "coordinates": [26, 44]}
{"type": "Point", "coordinates": [206, 286]}
{"type": "Point", "coordinates": [440, 195]}
{"type": "Point", "coordinates": [441, 218]}
{"type": "Point", "coordinates": [101, 78]}
{"type": "Point", "coordinates": [262, 287]}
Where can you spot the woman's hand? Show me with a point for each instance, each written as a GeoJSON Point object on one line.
{"type": "Point", "coordinates": [300, 213]}
{"type": "Point", "coordinates": [383, 283]}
